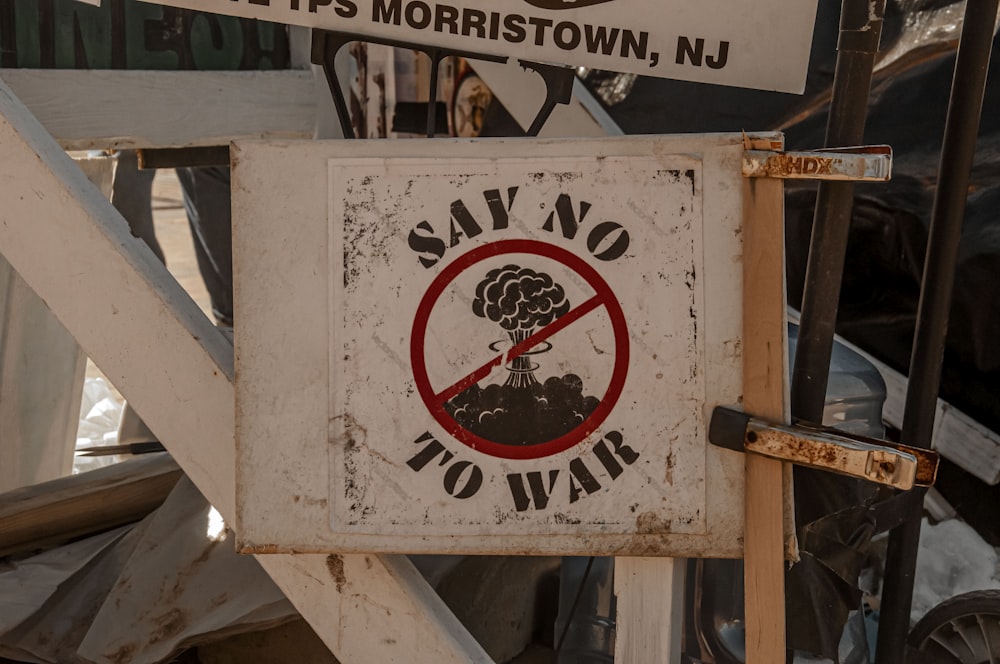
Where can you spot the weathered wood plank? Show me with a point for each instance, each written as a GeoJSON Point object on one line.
{"type": "Point", "coordinates": [650, 609]}
{"type": "Point", "coordinates": [41, 375]}
{"type": "Point", "coordinates": [69, 507]}
{"type": "Point", "coordinates": [764, 369]}
{"type": "Point", "coordinates": [176, 368]}
{"type": "Point", "coordinates": [41, 379]}
{"type": "Point", "coordinates": [97, 109]}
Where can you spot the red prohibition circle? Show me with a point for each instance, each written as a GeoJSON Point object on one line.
{"type": "Point", "coordinates": [604, 297]}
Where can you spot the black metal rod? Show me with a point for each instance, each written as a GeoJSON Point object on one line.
{"type": "Point", "coordinates": [8, 34]}
{"type": "Point", "coordinates": [860, 32]}
{"type": "Point", "coordinates": [558, 90]}
{"type": "Point", "coordinates": [119, 54]}
{"type": "Point", "coordinates": [47, 33]}
{"type": "Point", "coordinates": [436, 57]}
{"type": "Point", "coordinates": [957, 154]}
{"type": "Point", "coordinates": [948, 213]}
{"type": "Point", "coordinates": [325, 47]}
{"type": "Point", "coordinates": [339, 103]}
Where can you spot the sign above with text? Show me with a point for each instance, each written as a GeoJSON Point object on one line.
{"type": "Point", "coordinates": [762, 45]}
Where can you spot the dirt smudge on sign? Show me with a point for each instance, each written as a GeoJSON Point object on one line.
{"type": "Point", "coordinates": [335, 565]}
{"type": "Point", "coordinates": [649, 523]}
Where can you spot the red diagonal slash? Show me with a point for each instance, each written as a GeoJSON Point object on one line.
{"type": "Point", "coordinates": [604, 297]}
{"type": "Point", "coordinates": [519, 349]}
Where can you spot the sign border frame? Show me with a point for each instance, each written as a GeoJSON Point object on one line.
{"type": "Point", "coordinates": [272, 485]}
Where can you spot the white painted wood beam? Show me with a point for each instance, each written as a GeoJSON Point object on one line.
{"type": "Point", "coordinates": [41, 379]}
{"type": "Point", "coordinates": [41, 375]}
{"type": "Point", "coordinates": [176, 368]}
{"type": "Point", "coordinates": [98, 109]}
{"type": "Point", "coordinates": [650, 609]}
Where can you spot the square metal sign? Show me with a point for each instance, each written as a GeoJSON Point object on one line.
{"type": "Point", "coordinates": [506, 353]}
{"type": "Point", "coordinates": [515, 342]}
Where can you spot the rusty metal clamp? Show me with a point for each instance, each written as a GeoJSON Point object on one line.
{"type": "Point", "coordinates": [879, 461]}
{"type": "Point", "coordinates": [857, 164]}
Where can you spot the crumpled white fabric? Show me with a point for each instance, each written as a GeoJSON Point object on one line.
{"type": "Point", "coordinates": [100, 415]}
{"type": "Point", "coordinates": [139, 594]}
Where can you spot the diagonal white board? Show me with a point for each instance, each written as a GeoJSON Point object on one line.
{"type": "Point", "coordinates": [763, 45]}
{"type": "Point", "coordinates": [127, 312]}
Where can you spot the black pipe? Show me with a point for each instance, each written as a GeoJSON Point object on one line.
{"type": "Point", "coordinates": [436, 55]}
{"type": "Point", "coordinates": [957, 154]}
{"type": "Point", "coordinates": [860, 31]}
{"type": "Point", "coordinates": [8, 34]}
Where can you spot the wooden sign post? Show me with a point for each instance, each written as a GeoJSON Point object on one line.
{"type": "Point", "coordinates": [764, 392]}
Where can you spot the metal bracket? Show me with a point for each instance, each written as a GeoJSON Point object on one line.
{"type": "Point", "coordinates": [326, 44]}
{"type": "Point", "coordinates": [858, 164]}
{"type": "Point", "coordinates": [152, 158]}
{"type": "Point", "coordinates": [558, 90]}
{"type": "Point", "coordinates": [879, 461]}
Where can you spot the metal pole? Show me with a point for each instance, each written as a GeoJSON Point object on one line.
{"type": "Point", "coordinates": [857, 45]}
{"type": "Point", "coordinates": [957, 154]}
{"type": "Point", "coordinates": [860, 31]}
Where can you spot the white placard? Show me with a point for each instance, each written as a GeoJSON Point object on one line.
{"type": "Point", "coordinates": [763, 45]}
{"type": "Point", "coordinates": [440, 351]}
{"type": "Point", "coordinates": [515, 346]}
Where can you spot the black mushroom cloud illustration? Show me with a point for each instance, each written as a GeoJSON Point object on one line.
{"type": "Point", "coordinates": [564, 4]}
{"type": "Point", "coordinates": [522, 411]}
{"type": "Point", "coordinates": [520, 300]}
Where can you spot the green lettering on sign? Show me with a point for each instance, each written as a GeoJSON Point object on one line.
{"type": "Point", "coordinates": [127, 34]}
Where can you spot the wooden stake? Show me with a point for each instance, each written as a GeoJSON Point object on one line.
{"type": "Point", "coordinates": [650, 609]}
{"type": "Point", "coordinates": [59, 510]}
{"type": "Point", "coordinates": [764, 362]}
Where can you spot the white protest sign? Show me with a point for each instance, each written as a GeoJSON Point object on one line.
{"type": "Point", "coordinates": [763, 45]}
{"type": "Point", "coordinates": [494, 348]}
{"type": "Point", "coordinates": [441, 351]}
